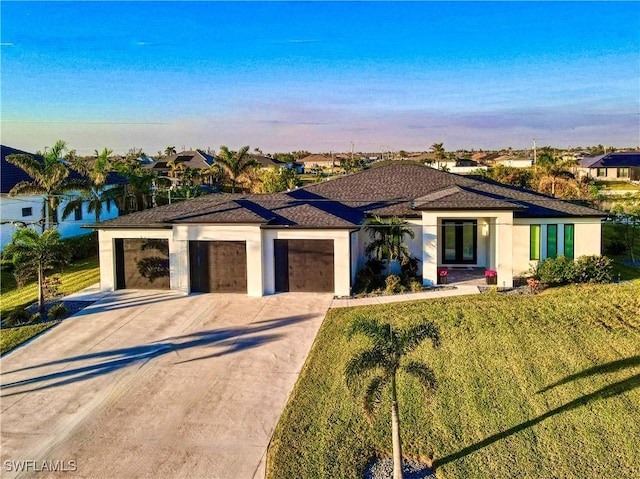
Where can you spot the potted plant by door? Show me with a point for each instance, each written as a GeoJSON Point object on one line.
{"type": "Point", "coordinates": [443, 275]}
{"type": "Point", "coordinates": [491, 276]}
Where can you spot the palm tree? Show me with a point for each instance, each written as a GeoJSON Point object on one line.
{"type": "Point", "coordinates": [49, 180]}
{"type": "Point", "coordinates": [33, 253]}
{"type": "Point", "coordinates": [438, 149]}
{"type": "Point", "coordinates": [554, 166]}
{"type": "Point", "coordinates": [388, 240]}
{"type": "Point", "coordinates": [94, 193]}
{"type": "Point", "coordinates": [235, 163]}
{"type": "Point", "coordinates": [170, 150]}
{"type": "Point", "coordinates": [379, 365]}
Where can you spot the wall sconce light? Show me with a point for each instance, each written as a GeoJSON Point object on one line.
{"type": "Point", "coordinates": [485, 229]}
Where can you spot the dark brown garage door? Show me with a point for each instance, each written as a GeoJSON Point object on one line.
{"type": "Point", "coordinates": [304, 265]}
{"type": "Point", "coordinates": [142, 263]}
{"type": "Point", "coordinates": [218, 266]}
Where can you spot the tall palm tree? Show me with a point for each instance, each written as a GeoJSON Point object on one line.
{"type": "Point", "coordinates": [379, 365]}
{"type": "Point", "coordinates": [33, 253]}
{"type": "Point", "coordinates": [49, 180]}
{"type": "Point", "coordinates": [438, 149]}
{"type": "Point", "coordinates": [388, 237]}
{"type": "Point", "coordinates": [170, 150]}
{"type": "Point", "coordinates": [235, 163]}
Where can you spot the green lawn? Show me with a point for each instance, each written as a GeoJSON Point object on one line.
{"type": "Point", "coordinates": [616, 185]}
{"type": "Point", "coordinates": [530, 386]}
{"type": "Point", "coordinates": [75, 277]}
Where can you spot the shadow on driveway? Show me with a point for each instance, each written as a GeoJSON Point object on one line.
{"type": "Point", "coordinates": [234, 339]}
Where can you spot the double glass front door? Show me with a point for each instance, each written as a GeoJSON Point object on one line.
{"type": "Point", "coordinates": [459, 241]}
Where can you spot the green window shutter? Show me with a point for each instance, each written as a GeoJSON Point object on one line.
{"type": "Point", "coordinates": [569, 235]}
{"type": "Point", "coordinates": [534, 243]}
{"type": "Point", "coordinates": [552, 241]}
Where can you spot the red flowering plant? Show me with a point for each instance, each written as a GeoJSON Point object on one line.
{"type": "Point", "coordinates": [490, 273]}
{"type": "Point", "coordinates": [443, 273]}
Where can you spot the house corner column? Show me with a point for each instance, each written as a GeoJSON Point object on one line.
{"type": "Point", "coordinates": [107, 261]}
{"type": "Point", "coordinates": [342, 264]}
{"type": "Point", "coordinates": [429, 249]}
{"type": "Point", "coordinates": [255, 267]}
{"type": "Point", "coordinates": [504, 249]}
{"type": "Point", "coordinates": [179, 265]}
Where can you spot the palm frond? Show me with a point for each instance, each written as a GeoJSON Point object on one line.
{"type": "Point", "coordinates": [411, 338]}
{"type": "Point", "coordinates": [369, 327]}
{"type": "Point", "coordinates": [27, 188]}
{"type": "Point", "coordinates": [28, 164]}
{"type": "Point", "coordinates": [71, 206]}
{"type": "Point", "coordinates": [425, 375]}
{"type": "Point", "coordinates": [372, 396]}
{"type": "Point", "coordinates": [362, 364]}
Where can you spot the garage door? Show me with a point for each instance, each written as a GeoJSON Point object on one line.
{"type": "Point", "coordinates": [142, 263]}
{"type": "Point", "coordinates": [304, 265]}
{"type": "Point", "coordinates": [218, 266]}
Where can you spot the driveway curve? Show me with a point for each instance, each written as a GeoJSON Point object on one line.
{"type": "Point", "coordinates": [155, 384]}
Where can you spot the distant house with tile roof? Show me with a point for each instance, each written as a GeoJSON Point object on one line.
{"type": "Point", "coordinates": [319, 161]}
{"type": "Point", "coordinates": [314, 238]}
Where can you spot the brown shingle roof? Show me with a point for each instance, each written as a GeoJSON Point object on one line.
{"type": "Point", "coordinates": [395, 190]}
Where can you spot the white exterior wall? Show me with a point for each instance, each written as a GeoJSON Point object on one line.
{"type": "Point", "coordinates": [341, 255]}
{"type": "Point", "coordinates": [11, 209]}
{"type": "Point", "coordinates": [516, 163]}
{"type": "Point", "coordinates": [494, 241]}
{"type": "Point", "coordinates": [587, 239]}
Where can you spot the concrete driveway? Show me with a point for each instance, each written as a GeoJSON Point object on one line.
{"type": "Point", "coordinates": [153, 384]}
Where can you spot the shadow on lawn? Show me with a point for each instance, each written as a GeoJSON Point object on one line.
{"type": "Point", "coordinates": [611, 390]}
{"type": "Point", "coordinates": [231, 340]}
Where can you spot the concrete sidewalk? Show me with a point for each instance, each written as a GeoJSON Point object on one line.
{"type": "Point", "coordinates": [433, 294]}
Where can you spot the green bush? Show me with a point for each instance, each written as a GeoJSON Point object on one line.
{"type": "Point", "coordinates": [57, 312]}
{"type": "Point", "coordinates": [369, 278]}
{"type": "Point", "coordinates": [17, 316]}
{"type": "Point", "coordinates": [393, 284]}
{"type": "Point", "coordinates": [592, 269]}
{"type": "Point", "coordinates": [36, 318]}
{"type": "Point", "coordinates": [415, 286]}
{"type": "Point", "coordinates": [562, 270]}
{"type": "Point", "coordinates": [82, 247]}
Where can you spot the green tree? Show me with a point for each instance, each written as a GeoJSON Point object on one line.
{"type": "Point", "coordinates": [379, 364]}
{"type": "Point", "coordinates": [439, 151]}
{"type": "Point", "coordinates": [388, 240]}
{"type": "Point", "coordinates": [274, 180]}
{"type": "Point", "coordinates": [170, 150]}
{"type": "Point", "coordinates": [34, 254]}
{"type": "Point", "coordinates": [49, 180]}
{"type": "Point", "coordinates": [95, 194]}
{"type": "Point", "coordinates": [235, 163]}
{"type": "Point", "coordinates": [553, 166]}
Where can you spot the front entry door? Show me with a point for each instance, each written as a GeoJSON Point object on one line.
{"type": "Point", "coordinates": [459, 241]}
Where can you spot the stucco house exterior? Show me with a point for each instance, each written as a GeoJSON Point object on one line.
{"type": "Point", "coordinates": [618, 166]}
{"type": "Point", "coordinates": [313, 238]}
{"type": "Point", "coordinates": [20, 210]}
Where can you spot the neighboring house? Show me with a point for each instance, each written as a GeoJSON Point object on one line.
{"type": "Point", "coordinates": [21, 210]}
{"type": "Point", "coordinates": [460, 166]}
{"type": "Point", "coordinates": [513, 161]}
{"type": "Point", "coordinates": [620, 166]}
{"type": "Point", "coordinates": [318, 161]}
{"type": "Point", "coordinates": [193, 159]}
{"type": "Point", "coordinates": [314, 238]}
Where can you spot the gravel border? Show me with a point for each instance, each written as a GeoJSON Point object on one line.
{"type": "Point", "coordinates": [411, 469]}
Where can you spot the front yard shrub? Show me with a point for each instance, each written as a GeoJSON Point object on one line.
{"type": "Point", "coordinates": [370, 277]}
{"type": "Point", "coordinates": [393, 284]}
{"type": "Point", "coordinates": [562, 270]}
{"type": "Point", "coordinates": [592, 269]}
{"type": "Point", "coordinates": [416, 286]}
{"type": "Point", "coordinates": [36, 318]}
{"type": "Point", "coordinates": [57, 312]}
{"type": "Point", "coordinates": [16, 317]}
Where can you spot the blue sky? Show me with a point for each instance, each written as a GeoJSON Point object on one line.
{"type": "Point", "coordinates": [318, 76]}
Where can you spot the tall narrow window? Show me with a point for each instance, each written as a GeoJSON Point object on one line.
{"type": "Point", "coordinates": [78, 213]}
{"type": "Point", "coordinates": [569, 235]}
{"type": "Point", "coordinates": [552, 241]}
{"type": "Point", "coordinates": [534, 243]}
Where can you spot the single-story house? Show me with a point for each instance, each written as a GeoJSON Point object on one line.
{"type": "Point", "coordinates": [314, 238]}
{"type": "Point", "coordinates": [319, 161]}
{"type": "Point", "coordinates": [619, 166]}
{"type": "Point", "coordinates": [192, 159]}
{"type": "Point", "coordinates": [513, 161]}
{"type": "Point", "coordinates": [26, 210]}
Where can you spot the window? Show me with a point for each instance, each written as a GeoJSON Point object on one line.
{"type": "Point", "coordinates": [534, 243]}
{"type": "Point", "coordinates": [27, 211]}
{"type": "Point", "coordinates": [601, 172]}
{"type": "Point", "coordinates": [78, 213]}
{"type": "Point", "coordinates": [623, 172]}
{"type": "Point", "coordinates": [569, 233]}
{"type": "Point", "coordinates": [552, 241]}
